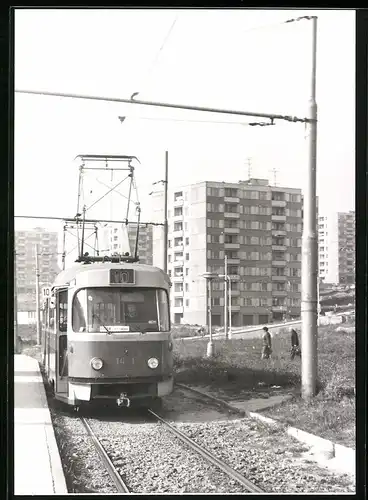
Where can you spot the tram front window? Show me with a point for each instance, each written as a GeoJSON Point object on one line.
{"type": "Point", "coordinates": [120, 310]}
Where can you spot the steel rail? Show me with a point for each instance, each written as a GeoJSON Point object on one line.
{"type": "Point", "coordinates": [229, 471]}
{"type": "Point", "coordinates": [115, 476]}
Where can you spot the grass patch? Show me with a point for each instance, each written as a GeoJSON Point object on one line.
{"type": "Point", "coordinates": [237, 367]}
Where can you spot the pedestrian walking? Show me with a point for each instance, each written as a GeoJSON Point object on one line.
{"type": "Point", "coordinates": [201, 331]}
{"type": "Point", "coordinates": [267, 346]}
{"type": "Point", "coordinates": [295, 347]}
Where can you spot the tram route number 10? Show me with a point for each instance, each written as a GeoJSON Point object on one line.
{"type": "Point", "coordinates": [46, 292]}
{"type": "Point", "coordinates": [118, 276]}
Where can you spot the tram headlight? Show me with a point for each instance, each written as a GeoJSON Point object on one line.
{"type": "Point", "coordinates": [96, 363]}
{"type": "Point", "coordinates": [152, 363]}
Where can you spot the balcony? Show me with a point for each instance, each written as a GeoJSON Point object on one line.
{"type": "Point", "coordinates": [232, 246]}
{"type": "Point", "coordinates": [179, 202]}
{"type": "Point", "coordinates": [233, 261]}
{"type": "Point", "coordinates": [234, 277]}
{"type": "Point", "coordinates": [278, 232]}
{"type": "Point", "coordinates": [231, 230]}
{"type": "Point", "coordinates": [235, 308]}
{"type": "Point", "coordinates": [178, 261]}
{"type": "Point", "coordinates": [235, 293]}
{"type": "Point", "coordinates": [279, 308]}
{"type": "Point", "coordinates": [232, 215]}
{"type": "Point", "coordinates": [279, 278]}
{"type": "Point", "coordinates": [177, 309]}
{"type": "Point", "coordinates": [278, 218]}
{"type": "Point", "coordinates": [279, 293]}
{"type": "Point", "coordinates": [231, 199]}
{"type": "Point", "coordinates": [177, 217]}
{"type": "Point", "coordinates": [279, 248]}
{"type": "Point", "coordinates": [178, 233]}
{"type": "Point", "coordinates": [178, 247]}
{"type": "Point", "coordinates": [279, 263]}
{"type": "Point", "coordinates": [177, 278]}
{"type": "Point", "coordinates": [278, 203]}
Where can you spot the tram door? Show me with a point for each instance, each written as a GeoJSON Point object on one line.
{"type": "Point", "coordinates": [62, 341]}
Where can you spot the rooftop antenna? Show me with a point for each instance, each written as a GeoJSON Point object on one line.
{"type": "Point", "coordinates": [249, 163]}
{"type": "Point", "coordinates": [275, 172]}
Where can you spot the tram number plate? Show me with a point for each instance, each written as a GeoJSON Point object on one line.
{"type": "Point", "coordinates": [119, 276]}
{"type": "Point", "coordinates": [122, 361]}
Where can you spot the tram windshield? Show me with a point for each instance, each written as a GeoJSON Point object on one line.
{"type": "Point", "coordinates": [120, 310]}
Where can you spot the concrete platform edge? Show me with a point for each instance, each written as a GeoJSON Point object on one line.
{"type": "Point", "coordinates": [336, 451]}
{"type": "Point", "coordinates": [56, 467]}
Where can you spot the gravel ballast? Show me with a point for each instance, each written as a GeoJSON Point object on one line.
{"type": "Point", "coordinates": [269, 458]}
{"type": "Point", "coordinates": [151, 460]}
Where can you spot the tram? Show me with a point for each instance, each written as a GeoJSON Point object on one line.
{"type": "Point", "coordinates": [106, 334]}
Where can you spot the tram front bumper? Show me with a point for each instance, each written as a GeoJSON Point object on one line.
{"type": "Point", "coordinates": [106, 391]}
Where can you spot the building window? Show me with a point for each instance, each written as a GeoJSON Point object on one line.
{"type": "Point", "coordinates": [216, 301]}
{"type": "Point", "coordinates": [231, 208]}
{"type": "Point", "coordinates": [187, 256]}
{"type": "Point", "coordinates": [232, 223]}
{"type": "Point", "coordinates": [233, 270]}
{"type": "Point", "coordinates": [254, 210]}
{"type": "Point", "coordinates": [178, 211]}
{"type": "Point", "coordinates": [178, 226]}
{"type": "Point", "coordinates": [231, 192]}
{"type": "Point", "coordinates": [187, 287]}
{"type": "Point", "coordinates": [212, 191]}
{"type": "Point", "coordinates": [178, 242]}
{"type": "Point", "coordinates": [187, 241]}
{"type": "Point", "coordinates": [178, 271]}
{"type": "Point", "coordinates": [186, 271]}
{"type": "Point", "coordinates": [178, 287]}
{"type": "Point", "coordinates": [178, 302]}
{"type": "Point", "coordinates": [178, 195]}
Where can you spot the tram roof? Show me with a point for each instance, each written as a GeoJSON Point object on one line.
{"type": "Point", "coordinates": [69, 274]}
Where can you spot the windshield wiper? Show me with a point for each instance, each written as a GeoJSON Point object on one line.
{"type": "Point", "coordinates": [94, 315]}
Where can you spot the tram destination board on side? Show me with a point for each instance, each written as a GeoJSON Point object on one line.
{"type": "Point", "coordinates": [122, 276]}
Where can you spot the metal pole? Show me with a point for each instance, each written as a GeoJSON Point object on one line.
{"type": "Point", "coordinates": [166, 224]}
{"type": "Point", "coordinates": [230, 333]}
{"type": "Point", "coordinates": [310, 246]}
{"type": "Point", "coordinates": [210, 346]}
{"type": "Point", "coordinates": [225, 301]}
{"type": "Point", "coordinates": [38, 326]}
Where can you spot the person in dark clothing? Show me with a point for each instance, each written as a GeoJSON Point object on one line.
{"type": "Point", "coordinates": [295, 347]}
{"type": "Point", "coordinates": [267, 346]}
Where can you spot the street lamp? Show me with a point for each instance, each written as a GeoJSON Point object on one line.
{"type": "Point", "coordinates": [227, 302]}
{"type": "Point", "coordinates": [209, 277]}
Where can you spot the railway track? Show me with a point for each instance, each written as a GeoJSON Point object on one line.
{"type": "Point", "coordinates": [113, 473]}
{"type": "Point", "coordinates": [205, 454]}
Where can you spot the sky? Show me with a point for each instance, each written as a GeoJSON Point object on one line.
{"type": "Point", "coordinates": [237, 59]}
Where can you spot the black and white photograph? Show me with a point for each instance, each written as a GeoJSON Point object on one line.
{"type": "Point", "coordinates": [184, 251]}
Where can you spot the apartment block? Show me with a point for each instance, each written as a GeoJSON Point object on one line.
{"type": "Point", "coordinates": [144, 243]}
{"type": "Point", "coordinates": [257, 226]}
{"type": "Point", "coordinates": [336, 245]}
{"type": "Point", "coordinates": [26, 243]}
{"type": "Point", "coordinates": [122, 239]}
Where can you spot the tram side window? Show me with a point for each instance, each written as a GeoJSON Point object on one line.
{"type": "Point", "coordinates": [63, 311]}
{"type": "Point", "coordinates": [163, 305]}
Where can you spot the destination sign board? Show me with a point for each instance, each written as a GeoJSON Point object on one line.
{"type": "Point", "coordinates": [122, 277]}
